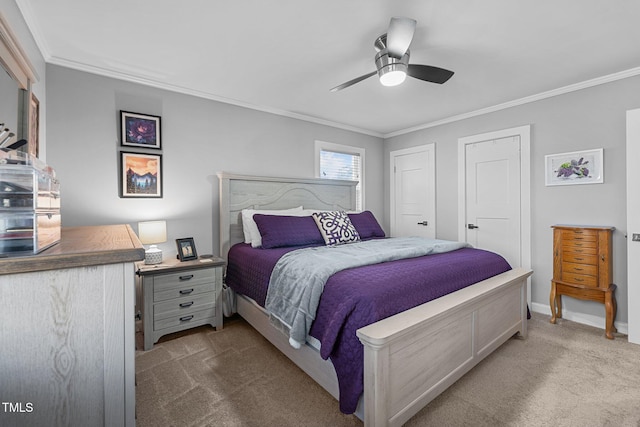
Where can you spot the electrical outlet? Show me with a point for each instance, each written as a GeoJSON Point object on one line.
{"type": "Point", "coordinates": [635, 237]}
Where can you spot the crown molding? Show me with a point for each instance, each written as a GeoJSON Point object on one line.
{"type": "Point", "coordinates": [521, 101]}
{"type": "Point", "coordinates": [25, 9]}
{"type": "Point", "coordinates": [201, 94]}
{"type": "Point", "coordinates": [188, 91]}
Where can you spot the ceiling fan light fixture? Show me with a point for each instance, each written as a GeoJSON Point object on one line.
{"type": "Point", "coordinates": [392, 77]}
{"type": "Point", "coordinates": [391, 71]}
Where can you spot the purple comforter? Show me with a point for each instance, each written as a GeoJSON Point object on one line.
{"type": "Point", "coordinates": [357, 297]}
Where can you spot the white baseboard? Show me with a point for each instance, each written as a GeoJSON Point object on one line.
{"type": "Point", "coordinates": [585, 319]}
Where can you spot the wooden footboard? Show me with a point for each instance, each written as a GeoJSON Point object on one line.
{"type": "Point", "coordinates": [412, 357]}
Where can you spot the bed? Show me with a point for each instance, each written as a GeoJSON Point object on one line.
{"type": "Point", "coordinates": [409, 357]}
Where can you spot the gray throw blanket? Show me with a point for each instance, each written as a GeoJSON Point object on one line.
{"type": "Point", "coordinates": [299, 277]}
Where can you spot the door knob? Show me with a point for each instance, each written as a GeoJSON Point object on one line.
{"type": "Point", "coordinates": [423, 223]}
{"type": "Point", "coordinates": [472, 226]}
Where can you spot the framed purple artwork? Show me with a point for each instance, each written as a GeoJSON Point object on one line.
{"type": "Point", "coordinates": [140, 130]}
{"type": "Point", "coordinates": [577, 167]}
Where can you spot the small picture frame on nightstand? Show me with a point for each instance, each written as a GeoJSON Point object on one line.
{"type": "Point", "coordinates": [186, 249]}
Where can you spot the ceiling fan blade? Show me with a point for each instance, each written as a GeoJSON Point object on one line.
{"type": "Point", "coordinates": [429, 73]}
{"type": "Point", "coordinates": [399, 36]}
{"type": "Point", "coordinates": [352, 82]}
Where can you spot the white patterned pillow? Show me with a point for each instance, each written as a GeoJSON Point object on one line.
{"type": "Point", "coordinates": [336, 227]}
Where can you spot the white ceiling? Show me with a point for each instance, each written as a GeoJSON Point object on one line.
{"type": "Point", "coordinates": [283, 56]}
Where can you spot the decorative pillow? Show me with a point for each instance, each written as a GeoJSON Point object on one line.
{"type": "Point", "coordinates": [366, 225]}
{"type": "Point", "coordinates": [250, 229]}
{"type": "Point", "coordinates": [336, 227]}
{"type": "Point", "coordinates": [279, 231]}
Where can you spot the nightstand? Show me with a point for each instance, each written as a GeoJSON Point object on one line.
{"type": "Point", "coordinates": [180, 295]}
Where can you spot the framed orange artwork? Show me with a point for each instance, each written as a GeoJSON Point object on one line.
{"type": "Point", "coordinates": [140, 175]}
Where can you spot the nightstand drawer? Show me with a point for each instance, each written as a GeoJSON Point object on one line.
{"type": "Point", "coordinates": [570, 267]}
{"type": "Point", "coordinates": [580, 279]}
{"type": "Point", "coordinates": [187, 278]}
{"type": "Point", "coordinates": [184, 306]}
{"type": "Point", "coordinates": [184, 320]}
{"type": "Point", "coordinates": [184, 290]}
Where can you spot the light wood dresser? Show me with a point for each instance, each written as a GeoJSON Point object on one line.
{"type": "Point", "coordinates": [180, 295]}
{"type": "Point", "coordinates": [67, 331]}
{"type": "Point", "coordinates": [582, 268]}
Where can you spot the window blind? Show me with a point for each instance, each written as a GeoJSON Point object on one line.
{"type": "Point", "coordinates": [344, 166]}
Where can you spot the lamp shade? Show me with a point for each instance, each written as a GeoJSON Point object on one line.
{"type": "Point", "coordinates": [151, 232]}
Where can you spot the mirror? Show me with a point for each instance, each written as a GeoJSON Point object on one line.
{"type": "Point", "coordinates": [16, 76]}
{"type": "Point", "coordinates": [9, 106]}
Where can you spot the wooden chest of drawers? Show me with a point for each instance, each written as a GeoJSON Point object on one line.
{"type": "Point", "coordinates": [180, 295]}
{"type": "Point", "coordinates": [582, 268]}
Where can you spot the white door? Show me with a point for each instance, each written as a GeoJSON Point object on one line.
{"type": "Point", "coordinates": [412, 190]}
{"type": "Point", "coordinates": [633, 226]}
{"type": "Point", "coordinates": [493, 197]}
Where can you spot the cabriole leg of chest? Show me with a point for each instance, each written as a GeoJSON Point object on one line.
{"type": "Point", "coordinates": [555, 301]}
{"type": "Point", "coordinates": [610, 311]}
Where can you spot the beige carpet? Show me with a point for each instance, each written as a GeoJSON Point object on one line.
{"type": "Point", "coordinates": [562, 375]}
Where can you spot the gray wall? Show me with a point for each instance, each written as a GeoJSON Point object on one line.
{"type": "Point", "coordinates": [589, 118]}
{"type": "Point", "coordinates": [199, 138]}
{"type": "Point", "coordinates": [202, 137]}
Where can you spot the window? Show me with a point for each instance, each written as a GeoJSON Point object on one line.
{"type": "Point", "coordinates": [336, 161]}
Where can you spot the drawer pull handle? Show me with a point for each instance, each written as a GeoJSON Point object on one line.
{"type": "Point", "coordinates": [189, 277]}
{"type": "Point", "coordinates": [577, 269]}
{"type": "Point", "coordinates": [186, 291]}
{"type": "Point", "coordinates": [578, 259]}
{"type": "Point", "coordinates": [186, 304]}
{"type": "Point", "coordinates": [186, 318]}
{"type": "Point", "coordinates": [578, 279]}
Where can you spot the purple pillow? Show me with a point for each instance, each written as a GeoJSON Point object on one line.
{"type": "Point", "coordinates": [366, 225]}
{"type": "Point", "coordinates": [279, 231]}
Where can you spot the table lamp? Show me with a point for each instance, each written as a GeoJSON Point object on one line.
{"type": "Point", "coordinates": [150, 233]}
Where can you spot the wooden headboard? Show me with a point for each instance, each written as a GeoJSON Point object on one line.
{"type": "Point", "coordinates": [239, 192]}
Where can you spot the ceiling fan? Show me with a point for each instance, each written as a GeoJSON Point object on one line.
{"type": "Point", "coordinates": [392, 59]}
